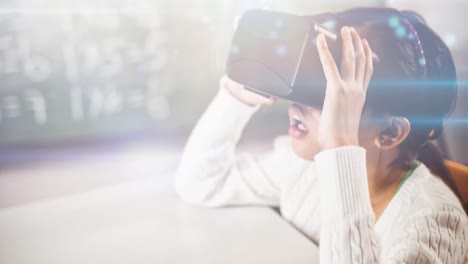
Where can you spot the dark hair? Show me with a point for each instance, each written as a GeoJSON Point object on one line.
{"type": "Point", "coordinates": [420, 87]}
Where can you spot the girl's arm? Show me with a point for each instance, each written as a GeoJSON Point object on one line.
{"type": "Point", "coordinates": [212, 174]}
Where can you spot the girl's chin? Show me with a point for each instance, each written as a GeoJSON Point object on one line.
{"type": "Point", "coordinates": [304, 150]}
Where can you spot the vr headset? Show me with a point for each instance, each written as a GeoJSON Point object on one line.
{"type": "Point", "coordinates": [275, 54]}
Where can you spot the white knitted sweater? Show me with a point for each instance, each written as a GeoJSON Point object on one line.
{"type": "Point", "coordinates": [327, 199]}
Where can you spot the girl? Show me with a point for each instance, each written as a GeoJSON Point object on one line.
{"type": "Point", "coordinates": [359, 176]}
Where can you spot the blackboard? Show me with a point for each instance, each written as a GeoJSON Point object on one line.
{"type": "Point", "coordinates": [73, 72]}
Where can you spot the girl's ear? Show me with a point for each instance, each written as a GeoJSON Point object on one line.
{"type": "Point", "coordinates": [394, 133]}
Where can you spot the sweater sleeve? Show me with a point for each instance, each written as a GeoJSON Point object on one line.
{"type": "Point", "coordinates": [211, 173]}
{"type": "Point", "coordinates": [347, 232]}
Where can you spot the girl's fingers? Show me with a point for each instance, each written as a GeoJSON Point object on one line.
{"type": "Point", "coordinates": [348, 62]}
{"type": "Point", "coordinates": [360, 56]}
{"type": "Point", "coordinates": [328, 63]}
{"type": "Point", "coordinates": [268, 101]}
{"type": "Point", "coordinates": [369, 64]}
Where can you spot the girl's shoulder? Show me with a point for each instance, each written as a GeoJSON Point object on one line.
{"type": "Point", "coordinates": [424, 208]}
{"type": "Point", "coordinates": [426, 194]}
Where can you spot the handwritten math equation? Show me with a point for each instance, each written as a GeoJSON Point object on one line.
{"type": "Point", "coordinates": [70, 66]}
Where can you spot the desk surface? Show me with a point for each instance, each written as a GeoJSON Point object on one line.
{"type": "Point", "coordinates": [131, 223]}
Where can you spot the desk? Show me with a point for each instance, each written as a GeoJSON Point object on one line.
{"type": "Point", "coordinates": [132, 223]}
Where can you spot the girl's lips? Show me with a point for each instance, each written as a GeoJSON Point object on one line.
{"type": "Point", "coordinates": [296, 117]}
{"type": "Point", "coordinates": [294, 132]}
{"type": "Point", "coordinates": [297, 129]}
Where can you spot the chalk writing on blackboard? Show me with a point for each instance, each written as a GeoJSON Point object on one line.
{"type": "Point", "coordinates": [73, 67]}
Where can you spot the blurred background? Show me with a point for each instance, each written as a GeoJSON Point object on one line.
{"type": "Point", "coordinates": [94, 93]}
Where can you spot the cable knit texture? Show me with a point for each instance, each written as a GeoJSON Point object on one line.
{"type": "Point", "coordinates": [327, 199]}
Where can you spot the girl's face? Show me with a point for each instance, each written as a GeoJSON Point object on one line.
{"type": "Point", "coordinates": [304, 121]}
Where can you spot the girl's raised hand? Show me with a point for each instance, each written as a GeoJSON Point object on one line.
{"type": "Point", "coordinates": [346, 89]}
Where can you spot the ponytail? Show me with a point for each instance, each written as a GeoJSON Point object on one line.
{"type": "Point", "coordinates": [431, 156]}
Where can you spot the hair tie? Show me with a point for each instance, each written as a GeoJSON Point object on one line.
{"type": "Point", "coordinates": [436, 130]}
{"type": "Point", "coordinates": [431, 134]}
